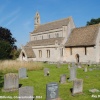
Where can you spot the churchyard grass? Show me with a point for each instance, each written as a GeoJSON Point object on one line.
{"type": "Point", "coordinates": [36, 78]}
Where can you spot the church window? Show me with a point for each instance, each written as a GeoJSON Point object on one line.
{"type": "Point", "coordinates": [40, 53]}
{"type": "Point", "coordinates": [48, 53]}
{"type": "Point", "coordinates": [85, 51]}
{"type": "Point", "coordinates": [49, 36]}
{"type": "Point", "coordinates": [61, 52]}
{"type": "Point", "coordinates": [42, 37]}
{"type": "Point", "coordinates": [70, 51]}
{"type": "Point", "coordinates": [57, 35]}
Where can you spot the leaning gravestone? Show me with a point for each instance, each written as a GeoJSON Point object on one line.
{"type": "Point", "coordinates": [46, 72]}
{"type": "Point", "coordinates": [72, 73]}
{"type": "Point", "coordinates": [11, 82]}
{"type": "Point", "coordinates": [63, 79]}
{"type": "Point", "coordinates": [26, 93]}
{"type": "Point", "coordinates": [22, 73]}
{"type": "Point", "coordinates": [77, 86]}
{"type": "Point", "coordinates": [52, 91]}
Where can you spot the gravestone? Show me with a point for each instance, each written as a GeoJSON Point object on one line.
{"type": "Point", "coordinates": [52, 91]}
{"type": "Point", "coordinates": [58, 64]}
{"type": "Point", "coordinates": [72, 73]}
{"type": "Point", "coordinates": [77, 86]}
{"type": "Point", "coordinates": [90, 69]}
{"type": "Point", "coordinates": [73, 64]}
{"type": "Point", "coordinates": [94, 90]}
{"type": "Point", "coordinates": [26, 93]}
{"type": "Point", "coordinates": [46, 72]}
{"type": "Point", "coordinates": [85, 69]}
{"type": "Point", "coordinates": [68, 66]}
{"type": "Point", "coordinates": [63, 79]}
{"type": "Point", "coordinates": [79, 65]}
{"type": "Point", "coordinates": [22, 73]}
{"type": "Point", "coordinates": [11, 82]}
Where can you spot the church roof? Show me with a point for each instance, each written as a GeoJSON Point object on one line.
{"type": "Point", "coordinates": [52, 25]}
{"type": "Point", "coordinates": [83, 36]}
{"type": "Point", "coordinates": [29, 52]}
{"type": "Point", "coordinates": [45, 42]}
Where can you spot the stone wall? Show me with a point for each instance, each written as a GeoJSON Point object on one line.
{"type": "Point", "coordinates": [90, 54]}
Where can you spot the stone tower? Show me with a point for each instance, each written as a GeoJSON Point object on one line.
{"type": "Point", "coordinates": [37, 20]}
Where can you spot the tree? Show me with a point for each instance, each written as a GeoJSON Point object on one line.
{"type": "Point", "coordinates": [7, 43]}
{"type": "Point", "coordinates": [93, 21]}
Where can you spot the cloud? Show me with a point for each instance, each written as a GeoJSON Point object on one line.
{"type": "Point", "coordinates": [10, 17]}
{"type": "Point", "coordinates": [11, 21]}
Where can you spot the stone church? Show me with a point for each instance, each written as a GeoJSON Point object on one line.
{"type": "Point", "coordinates": [61, 41]}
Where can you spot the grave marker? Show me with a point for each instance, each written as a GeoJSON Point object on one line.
{"type": "Point", "coordinates": [26, 93]}
{"type": "Point", "coordinates": [77, 86]}
{"type": "Point", "coordinates": [72, 73]}
{"type": "Point", "coordinates": [11, 82]}
{"type": "Point", "coordinates": [85, 69]}
{"type": "Point", "coordinates": [22, 73]}
{"type": "Point", "coordinates": [58, 64]}
{"type": "Point", "coordinates": [63, 79]}
{"type": "Point", "coordinates": [52, 91]}
{"type": "Point", "coordinates": [46, 72]}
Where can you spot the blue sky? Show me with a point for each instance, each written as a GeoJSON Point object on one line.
{"type": "Point", "coordinates": [18, 15]}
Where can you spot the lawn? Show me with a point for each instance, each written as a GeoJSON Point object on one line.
{"type": "Point", "coordinates": [38, 81]}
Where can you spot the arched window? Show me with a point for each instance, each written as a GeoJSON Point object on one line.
{"type": "Point", "coordinates": [61, 52]}
{"type": "Point", "coordinates": [40, 53]}
{"type": "Point", "coordinates": [48, 53]}
{"type": "Point", "coordinates": [49, 36]}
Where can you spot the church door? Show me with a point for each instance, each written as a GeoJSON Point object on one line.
{"type": "Point", "coordinates": [77, 58]}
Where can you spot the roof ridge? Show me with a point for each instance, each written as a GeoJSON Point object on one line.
{"type": "Point", "coordinates": [88, 26]}
{"type": "Point", "coordinates": [56, 20]}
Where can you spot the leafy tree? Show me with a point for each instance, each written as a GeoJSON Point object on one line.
{"type": "Point", "coordinates": [93, 21]}
{"type": "Point", "coordinates": [5, 49]}
{"type": "Point", "coordinates": [7, 43]}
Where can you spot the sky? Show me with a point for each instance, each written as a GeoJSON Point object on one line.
{"type": "Point", "coordinates": [18, 15]}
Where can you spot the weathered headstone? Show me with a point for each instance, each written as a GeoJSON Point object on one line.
{"type": "Point", "coordinates": [85, 69]}
{"type": "Point", "coordinates": [11, 82]}
{"type": "Point", "coordinates": [72, 73]}
{"type": "Point", "coordinates": [77, 86]}
{"type": "Point", "coordinates": [58, 64]}
{"type": "Point", "coordinates": [73, 64]}
{"type": "Point", "coordinates": [22, 73]}
{"type": "Point", "coordinates": [94, 90]}
{"type": "Point", "coordinates": [68, 66]}
{"type": "Point", "coordinates": [52, 91]}
{"type": "Point", "coordinates": [46, 72]}
{"type": "Point", "coordinates": [63, 79]}
{"type": "Point", "coordinates": [26, 93]}
{"type": "Point", "coordinates": [90, 69]}
{"type": "Point", "coordinates": [79, 65]}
